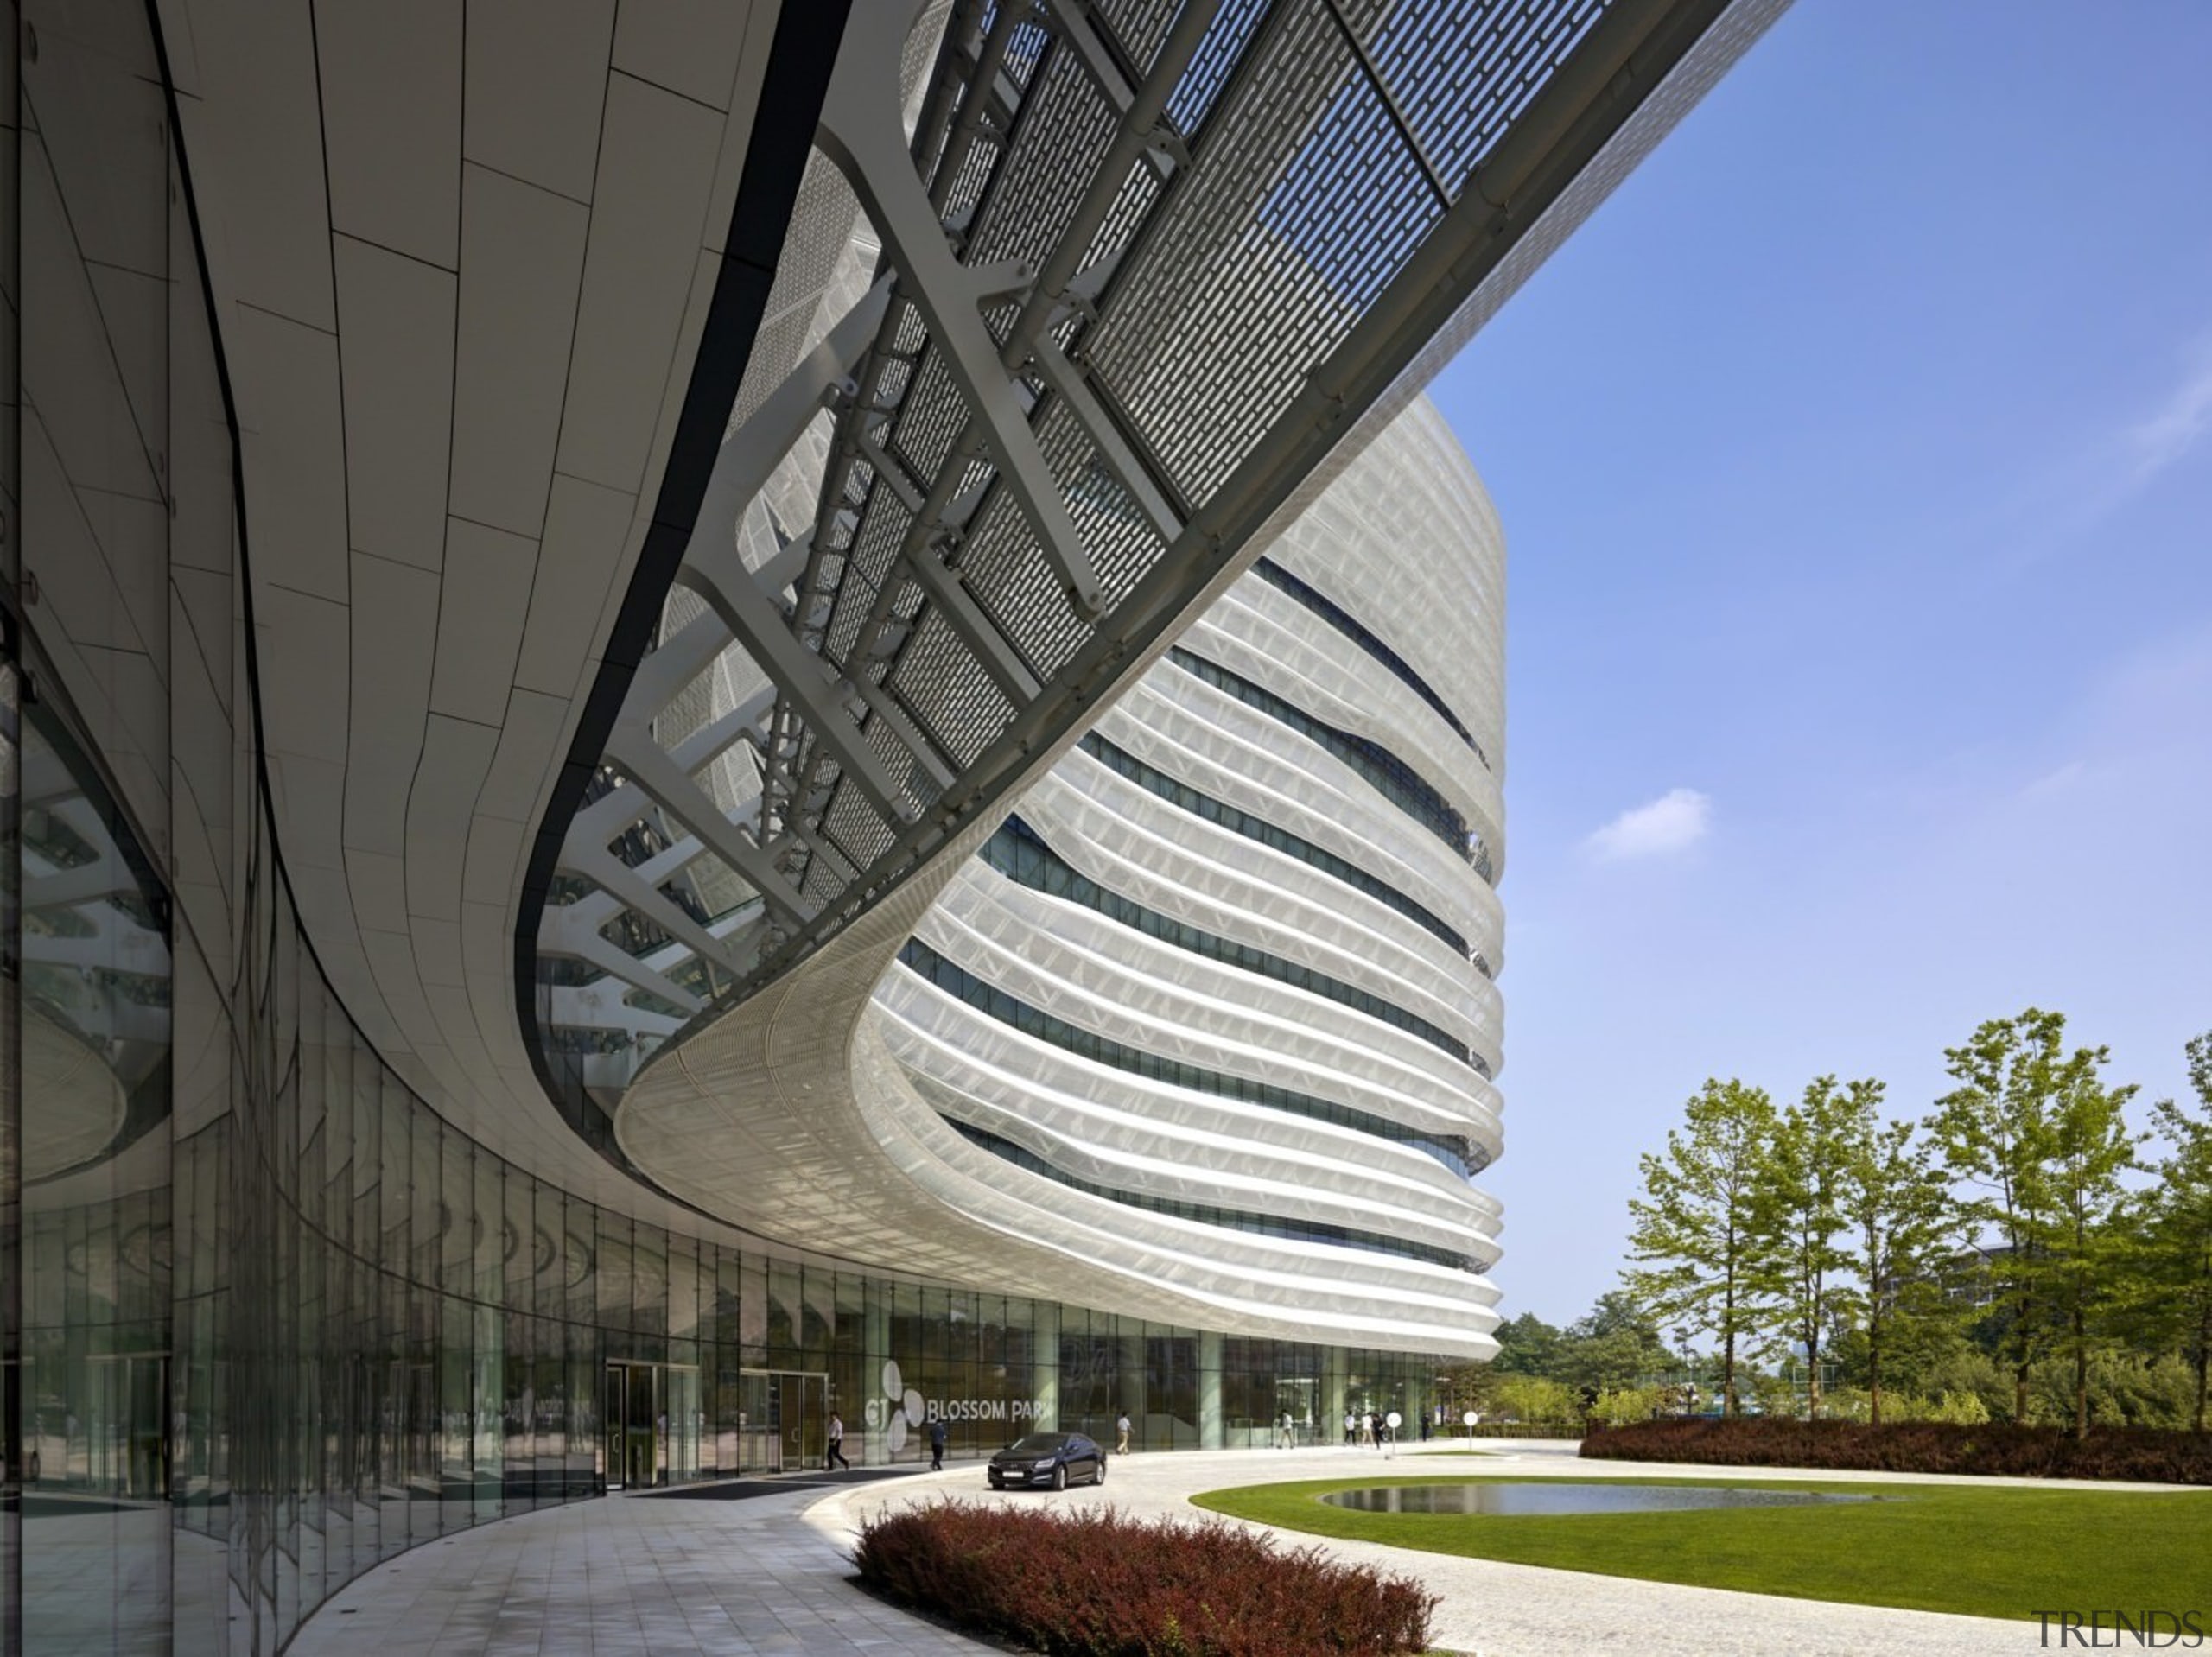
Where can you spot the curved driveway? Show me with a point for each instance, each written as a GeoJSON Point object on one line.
{"type": "Point", "coordinates": [1510, 1610]}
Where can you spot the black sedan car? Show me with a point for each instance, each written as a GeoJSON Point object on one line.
{"type": "Point", "coordinates": [1059, 1459]}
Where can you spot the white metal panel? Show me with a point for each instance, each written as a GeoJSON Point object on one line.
{"type": "Point", "coordinates": [304, 645]}
{"type": "Point", "coordinates": [396, 361]}
{"type": "Point", "coordinates": [690, 47]}
{"type": "Point", "coordinates": [522, 261]}
{"type": "Point", "coordinates": [394, 628]}
{"type": "Point", "coordinates": [536, 78]}
{"type": "Point", "coordinates": [530, 746]}
{"type": "Point", "coordinates": [579, 563]}
{"type": "Point", "coordinates": [656, 167]}
{"type": "Point", "coordinates": [255, 144]}
{"type": "Point", "coordinates": [1300, 790]}
{"type": "Point", "coordinates": [293, 447]}
{"type": "Point", "coordinates": [456, 754]}
{"type": "Point", "coordinates": [481, 615]}
{"type": "Point", "coordinates": [390, 81]}
{"type": "Point", "coordinates": [437, 958]}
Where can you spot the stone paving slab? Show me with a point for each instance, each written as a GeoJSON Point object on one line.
{"type": "Point", "coordinates": [628, 1575]}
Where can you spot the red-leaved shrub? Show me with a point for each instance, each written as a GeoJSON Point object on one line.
{"type": "Point", "coordinates": [1096, 1583]}
{"type": "Point", "coordinates": [1994, 1448]}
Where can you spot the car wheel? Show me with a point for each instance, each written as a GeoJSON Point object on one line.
{"type": "Point", "coordinates": [997, 1483]}
{"type": "Point", "coordinates": [1099, 1477]}
{"type": "Point", "coordinates": [1060, 1476]}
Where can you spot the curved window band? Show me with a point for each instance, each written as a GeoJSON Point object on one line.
{"type": "Point", "coordinates": [1125, 764]}
{"type": "Point", "coordinates": [1020, 854]}
{"type": "Point", "coordinates": [1390, 775]}
{"type": "Point", "coordinates": [1345, 623]}
{"type": "Point", "coordinates": [1372, 1242]}
{"type": "Point", "coordinates": [1462, 1156]}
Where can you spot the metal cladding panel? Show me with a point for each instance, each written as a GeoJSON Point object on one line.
{"type": "Point", "coordinates": [867, 1098]}
{"type": "Point", "coordinates": [1143, 284]}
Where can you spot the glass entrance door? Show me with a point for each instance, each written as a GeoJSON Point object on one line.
{"type": "Point", "coordinates": [127, 1450]}
{"type": "Point", "coordinates": [651, 1424]}
{"type": "Point", "coordinates": [784, 1420]}
{"type": "Point", "coordinates": [631, 1413]}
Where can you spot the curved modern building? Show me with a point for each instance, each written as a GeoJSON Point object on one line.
{"type": "Point", "coordinates": [713, 712]}
{"type": "Point", "coordinates": [1222, 986]}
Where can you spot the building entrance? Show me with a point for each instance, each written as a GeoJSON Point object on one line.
{"type": "Point", "coordinates": [784, 1416]}
{"type": "Point", "coordinates": [650, 1415]}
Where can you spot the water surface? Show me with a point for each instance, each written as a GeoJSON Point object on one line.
{"type": "Point", "coordinates": [1557, 1497]}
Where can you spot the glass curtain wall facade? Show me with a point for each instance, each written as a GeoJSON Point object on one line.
{"type": "Point", "coordinates": [268, 1318]}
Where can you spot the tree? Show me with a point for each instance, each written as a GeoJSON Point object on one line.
{"type": "Point", "coordinates": [1526, 1345]}
{"type": "Point", "coordinates": [2090, 1148]}
{"type": "Point", "coordinates": [1797, 1188]}
{"type": "Point", "coordinates": [1898, 1210]}
{"type": "Point", "coordinates": [1696, 1230]}
{"type": "Point", "coordinates": [1535, 1401]}
{"type": "Point", "coordinates": [1993, 1133]}
{"type": "Point", "coordinates": [1614, 1347]}
{"type": "Point", "coordinates": [2037, 1131]}
{"type": "Point", "coordinates": [2177, 1232]}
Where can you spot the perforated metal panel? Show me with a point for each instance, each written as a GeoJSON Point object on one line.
{"type": "Point", "coordinates": [1143, 265]}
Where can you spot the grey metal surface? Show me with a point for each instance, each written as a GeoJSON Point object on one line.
{"type": "Point", "coordinates": [1146, 274]}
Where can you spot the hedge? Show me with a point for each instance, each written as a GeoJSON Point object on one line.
{"type": "Point", "coordinates": [1997, 1447]}
{"type": "Point", "coordinates": [1095, 1583]}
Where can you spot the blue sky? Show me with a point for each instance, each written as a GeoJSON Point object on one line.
{"type": "Point", "coordinates": [1856, 466]}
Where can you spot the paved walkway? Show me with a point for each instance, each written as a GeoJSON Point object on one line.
{"type": "Point", "coordinates": [625, 1574]}
{"type": "Point", "coordinates": [770, 1575]}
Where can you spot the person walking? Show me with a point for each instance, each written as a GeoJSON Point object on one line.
{"type": "Point", "coordinates": [1352, 1428]}
{"type": "Point", "coordinates": [1121, 1428]}
{"type": "Point", "coordinates": [836, 1456]}
{"type": "Point", "coordinates": [939, 1437]}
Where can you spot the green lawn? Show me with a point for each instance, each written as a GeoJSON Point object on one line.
{"type": "Point", "coordinates": [1977, 1550]}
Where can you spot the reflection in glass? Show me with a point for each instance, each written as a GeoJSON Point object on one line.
{"type": "Point", "coordinates": [93, 1378]}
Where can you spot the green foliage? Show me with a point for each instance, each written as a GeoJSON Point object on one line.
{"type": "Point", "coordinates": [1897, 1211]}
{"type": "Point", "coordinates": [1960, 1409]}
{"type": "Point", "coordinates": [1798, 1261]}
{"type": "Point", "coordinates": [2176, 1286]}
{"type": "Point", "coordinates": [1994, 1131]}
{"type": "Point", "coordinates": [1614, 1347]}
{"type": "Point", "coordinates": [2089, 1258]}
{"type": "Point", "coordinates": [1526, 1345]}
{"type": "Point", "coordinates": [1696, 1236]}
{"type": "Point", "coordinates": [1537, 1401]}
{"type": "Point", "coordinates": [1618, 1406]}
{"type": "Point", "coordinates": [2035, 1130]}
{"type": "Point", "coordinates": [1916, 1259]}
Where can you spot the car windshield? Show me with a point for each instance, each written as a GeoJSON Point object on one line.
{"type": "Point", "coordinates": [1039, 1444]}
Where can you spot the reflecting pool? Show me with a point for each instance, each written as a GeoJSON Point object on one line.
{"type": "Point", "coordinates": [1550, 1496]}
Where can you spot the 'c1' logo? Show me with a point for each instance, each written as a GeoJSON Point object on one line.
{"type": "Point", "coordinates": [900, 1407]}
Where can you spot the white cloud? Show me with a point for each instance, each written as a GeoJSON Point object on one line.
{"type": "Point", "coordinates": [1674, 821]}
{"type": "Point", "coordinates": [2173, 429]}
{"type": "Point", "coordinates": [2065, 779]}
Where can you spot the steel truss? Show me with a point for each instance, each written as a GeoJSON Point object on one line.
{"type": "Point", "coordinates": [1144, 268]}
